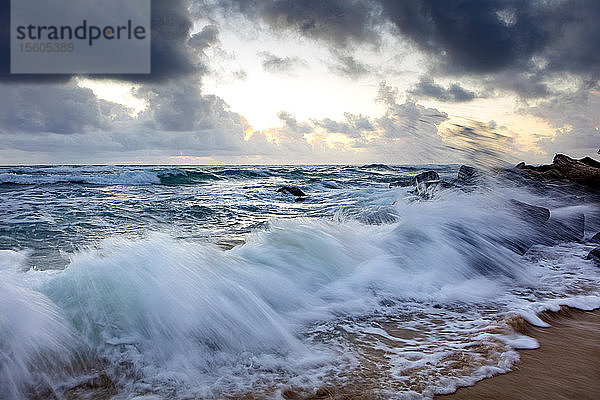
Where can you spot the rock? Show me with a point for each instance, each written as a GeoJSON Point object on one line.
{"type": "Point", "coordinates": [520, 165]}
{"type": "Point", "coordinates": [595, 238]}
{"type": "Point", "coordinates": [533, 215]}
{"type": "Point", "coordinates": [530, 213]}
{"type": "Point", "coordinates": [546, 228]}
{"type": "Point", "coordinates": [426, 183]}
{"type": "Point", "coordinates": [594, 255]}
{"type": "Point", "coordinates": [590, 162]}
{"type": "Point", "coordinates": [467, 175]}
{"type": "Point", "coordinates": [566, 228]}
{"type": "Point", "coordinates": [585, 171]}
{"type": "Point", "coordinates": [578, 171]}
{"type": "Point", "coordinates": [425, 177]}
{"type": "Point", "coordinates": [293, 190]}
{"type": "Point", "coordinates": [323, 393]}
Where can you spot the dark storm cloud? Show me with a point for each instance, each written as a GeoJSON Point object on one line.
{"type": "Point", "coordinates": [428, 88]}
{"type": "Point", "coordinates": [459, 36]}
{"type": "Point", "coordinates": [170, 56]}
{"type": "Point", "coordinates": [64, 109]}
{"type": "Point", "coordinates": [336, 21]}
{"type": "Point", "coordinates": [474, 35]}
{"type": "Point", "coordinates": [5, 54]}
{"type": "Point", "coordinates": [275, 64]}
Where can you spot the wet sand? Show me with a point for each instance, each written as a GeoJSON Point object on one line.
{"type": "Point", "coordinates": [566, 366]}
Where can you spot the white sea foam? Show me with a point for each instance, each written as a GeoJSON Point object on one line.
{"type": "Point", "coordinates": [300, 302]}
{"type": "Point", "coordinates": [141, 177]}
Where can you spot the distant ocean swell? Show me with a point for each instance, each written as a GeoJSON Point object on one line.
{"type": "Point", "coordinates": [407, 307]}
{"type": "Point", "coordinates": [176, 176]}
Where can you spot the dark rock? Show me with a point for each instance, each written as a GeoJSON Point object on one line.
{"type": "Point", "coordinates": [323, 393]}
{"type": "Point", "coordinates": [293, 190]}
{"type": "Point", "coordinates": [590, 162]}
{"type": "Point", "coordinates": [595, 238]}
{"type": "Point", "coordinates": [289, 394]}
{"type": "Point", "coordinates": [425, 184]}
{"type": "Point", "coordinates": [584, 172]}
{"type": "Point", "coordinates": [520, 165]}
{"type": "Point", "coordinates": [545, 228]}
{"type": "Point", "coordinates": [577, 170]}
{"type": "Point", "coordinates": [425, 177]}
{"type": "Point", "coordinates": [566, 228]}
{"type": "Point", "coordinates": [594, 255]}
{"type": "Point", "coordinates": [530, 213]}
{"type": "Point", "coordinates": [467, 175]}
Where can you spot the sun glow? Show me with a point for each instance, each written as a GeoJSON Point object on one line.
{"type": "Point", "coordinates": [116, 92]}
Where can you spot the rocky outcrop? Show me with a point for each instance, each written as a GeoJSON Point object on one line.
{"type": "Point", "coordinates": [585, 171]}
{"type": "Point", "coordinates": [595, 238]}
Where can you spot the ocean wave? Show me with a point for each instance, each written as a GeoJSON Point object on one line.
{"type": "Point", "coordinates": [160, 315]}
{"type": "Point", "coordinates": [120, 178]}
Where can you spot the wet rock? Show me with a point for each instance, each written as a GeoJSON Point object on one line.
{"type": "Point", "coordinates": [467, 175]}
{"type": "Point", "coordinates": [289, 394]}
{"type": "Point", "coordinates": [595, 238]}
{"type": "Point", "coordinates": [585, 171]}
{"type": "Point", "coordinates": [578, 170]}
{"type": "Point", "coordinates": [594, 255]}
{"type": "Point", "coordinates": [293, 190]}
{"type": "Point", "coordinates": [425, 177]}
{"type": "Point", "coordinates": [530, 213]}
{"type": "Point", "coordinates": [546, 228]}
{"type": "Point", "coordinates": [323, 393]}
{"type": "Point", "coordinates": [589, 161]}
{"type": "Point", "coordinates": [566, 228]}
{"type": "Point", "coordinates": [425, 184]}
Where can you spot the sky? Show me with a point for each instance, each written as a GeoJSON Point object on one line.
{"type": "Point", "coordinates": [325, 82]}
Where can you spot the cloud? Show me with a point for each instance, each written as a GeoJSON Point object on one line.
{"type": "Point", "coordinates": [65, 109]}
{"type": "Point", "coordinates": [429, 89]}
{"type": "Point", "coordinates": [354, 126]}
{"type": "Point", "coordinates": [340, 22]}
{"type": "Point", "coordinates": [171, 57]}
{"type": "Point", "coordinates": [577, 123]}
{"type": "Point", "coordinates": [531, 40]}
{"type": "Point", "coordinates": [347, 65]}
{"type": "Point", "coordinates": [208, 36]}
{"type": "Point", "coordinates": [274, 64]}
{"type": "Point", "coordinates": [70, 122]}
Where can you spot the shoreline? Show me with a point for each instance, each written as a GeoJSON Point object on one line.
{"type": "Point", "coordinates": [565, 366]}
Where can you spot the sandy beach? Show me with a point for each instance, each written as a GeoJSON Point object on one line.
{"type": "Point", "coordinates": [566, 366]}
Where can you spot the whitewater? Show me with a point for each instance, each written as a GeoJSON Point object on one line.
{"type": "Point", "coordinates": [206, 282]}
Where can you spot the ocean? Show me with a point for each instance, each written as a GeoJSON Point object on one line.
{"type": "Point", "coordinates": [185, 282]}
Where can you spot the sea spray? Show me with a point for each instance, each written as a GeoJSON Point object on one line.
{"type": "Point", "coordinates": [359, 283]}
